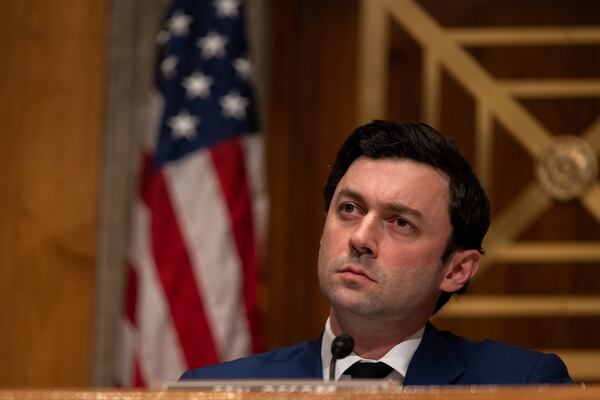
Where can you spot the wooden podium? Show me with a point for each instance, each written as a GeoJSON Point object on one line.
{"type": "Point", "coordinates": [574, 392]}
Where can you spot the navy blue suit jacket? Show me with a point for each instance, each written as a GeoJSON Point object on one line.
{"type": "Point", "coordinates": [441, 359]}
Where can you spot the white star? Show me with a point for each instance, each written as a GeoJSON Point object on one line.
{"type": "Point", "coordinates": [243, 67]}
{"type": "Point", "coordinates": [212, 45]}
{"type": "Point", "coordinates": [179, 23]}
{"type": "Point", "coordinates": [168, 65]}
{"type": "Point", "coordinates": [184, 125]}
{"type": "Point", "coordinates": [234, 105]}
{"type": "Point", "coordinates": [227, 8]}
{"type": "Point", "coordinates": [197, 85]}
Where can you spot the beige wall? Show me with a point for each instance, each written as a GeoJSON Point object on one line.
{"type": "Point", "coordinates": [51, 81]}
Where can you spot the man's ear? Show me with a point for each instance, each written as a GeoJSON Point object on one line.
{"type": "Point", "coordinates": [460, 267]}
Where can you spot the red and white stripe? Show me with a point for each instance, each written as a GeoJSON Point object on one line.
{"type": "Point", "coordinates": [193, 267]}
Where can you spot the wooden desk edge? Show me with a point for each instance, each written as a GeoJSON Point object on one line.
{"type": "Point", "coordinates": [546, 392]}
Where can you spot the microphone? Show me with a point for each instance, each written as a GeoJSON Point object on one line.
{"type": "Point", "coordinates": [341, 346]}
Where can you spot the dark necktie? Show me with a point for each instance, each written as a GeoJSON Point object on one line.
{"type": "Point", "coordinates": [367, 370]}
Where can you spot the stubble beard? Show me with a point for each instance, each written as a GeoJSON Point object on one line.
{"type": "Point", "coordinates": [348, 298]}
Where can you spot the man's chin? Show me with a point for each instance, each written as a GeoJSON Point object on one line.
{"type": "Point", "coordinates": [360, 307]}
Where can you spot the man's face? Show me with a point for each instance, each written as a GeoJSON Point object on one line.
{"type": "Point", "coordinates": [384, 235]}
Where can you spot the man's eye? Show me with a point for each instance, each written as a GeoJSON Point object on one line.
{"type": "Point", "coordinates": [348, 208]}
{"type": "Point", "coordinates": [402, 223]}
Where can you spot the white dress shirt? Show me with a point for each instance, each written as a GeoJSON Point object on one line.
{"type": "Point", "coordinates": [398, 357]}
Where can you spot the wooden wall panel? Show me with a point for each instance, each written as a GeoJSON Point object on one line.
{"type": "Point", "coordinates": [51, 78]}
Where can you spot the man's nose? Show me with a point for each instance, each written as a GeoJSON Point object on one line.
{"type": "Point", "coordinates": [364, 239]}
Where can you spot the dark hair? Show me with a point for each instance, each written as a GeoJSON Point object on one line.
{"type": "Point", "coordinates": [469, 207]}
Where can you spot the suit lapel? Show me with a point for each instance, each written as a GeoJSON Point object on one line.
{"type": "Point", "coordinates": [434, 362]}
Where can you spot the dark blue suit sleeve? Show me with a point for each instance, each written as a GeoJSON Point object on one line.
{"type": "Point", "coordinates": [549, 369]}
{"type": "Point", "coordinates": [187, 375]}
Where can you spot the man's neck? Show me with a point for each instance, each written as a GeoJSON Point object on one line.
{"type": "Point", "coordinates": [373, 339]}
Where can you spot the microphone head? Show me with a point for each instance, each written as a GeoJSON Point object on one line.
{"type": "Point", "coordinates": [342, 346]}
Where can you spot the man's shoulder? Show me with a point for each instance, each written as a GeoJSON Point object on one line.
{"type": "Point", "coordinates": [487, 360]}
{"type": "Point", "coordinates": [302, 360]}
{"type": "Point", "coordinates": [469, 350]}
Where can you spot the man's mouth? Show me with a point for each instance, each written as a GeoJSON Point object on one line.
{"type": "Point", "coordinates": [355, 273]}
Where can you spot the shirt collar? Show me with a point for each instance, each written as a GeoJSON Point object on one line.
{"type": "Point", "coordinates": [398, 357]}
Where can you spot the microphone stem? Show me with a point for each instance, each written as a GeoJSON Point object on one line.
{"type": "Point", "coordinates": [332, 369]}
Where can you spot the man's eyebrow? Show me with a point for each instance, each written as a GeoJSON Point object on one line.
{"type": "Point", "coordinates": [403, 209]}
{"type": "Point", "coordinates": [395, 207]}
{"type": "Point", "coordinates": [352, 194]}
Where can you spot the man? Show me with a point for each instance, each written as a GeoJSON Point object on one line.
{"type": "Point", "coordinates": [405, 219]}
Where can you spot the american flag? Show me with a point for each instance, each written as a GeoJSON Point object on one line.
{"type": "Point", "coordinates": [193, 264]}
